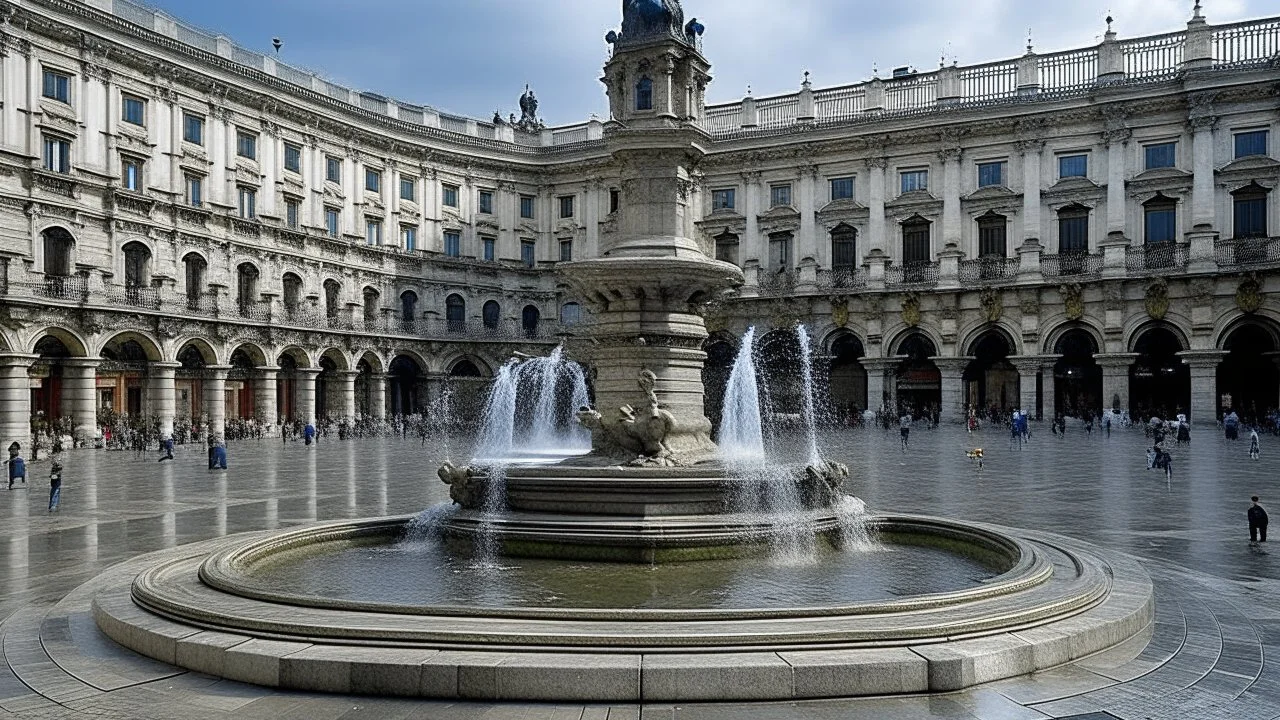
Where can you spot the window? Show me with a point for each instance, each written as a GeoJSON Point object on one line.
{"type": "Point", "coordinates": [529, 320]}
{"type": "Point", "coordinates": [131, 174]}
{"type": "Point", "coordinates": [291, 209]}
{"type": "Point", "coordinates": [332, 169]}
{"type": "Point", "coordinates": [195, 272]}
{"type": "Point", "coordinates": [137, 258]}
{"type": "Point", "coordinates": [373, 232]}
{"type": "Point", "coordinates": [1159, 155]}
{"type": "Point", "coordinates": [409, 237]}
{"type": "Point", "coordinates": [57, 155]}
{"type": "Point", "coordinates": [331, 221]}
{"type": "Point", "coordinates": [486, 202]}
{"type": "Point", "coordinates": [292, 291]}
{"type": "Point", "coordinates": [566, 206]}
{"type": "Point", "coordinates": [408, 189]}
{"type": "Point", "coordinates": [1252, 142]}
{"type": "Point", "coordinates": [132, 109]}
{"type": "Point", "coordinates": [1073, 229]}
{"type": "Point", "coordinates": [293, 157]}
{"type": "Point", "coordinates": [195, 190]}
{"type": "Point", "coordinates": [779, 195]}
{"type": "Point", "coordinates": [842, 188]}
{"type": "Point", "coordinates": [566, 251]}
{"type": "Point", "coordinates": [723, 199]}
{"type": "Point", "coordinates": [491, 312]}
{"type": "Point", "coordinates": [373, 180]}
{"type": "Point", "coordinates": [991, 174]}
{"type": "Point", "coordinates": [915, 241]}
{"type": "Point", "coordinates": [193, 128]}
{"type": "Point", "coordinates": [57, 86]}
{"type": "Point", "coordinates": [644, 94]}
{"type": "Point", "coordinates": [993, 230]}
{"type": "Point", "coordinates": [452, 244]}
{"type": "Point", "coordinates": [1160, 215]}
{"type": "Point", "coordinates": [615, 201]}
{"type": "Point", "coordinates": [246, 145]}
{"type": "Point", "coordinates": [780, 251]}
{"type": "Point", "coordinates": [913, 180]}
{"type": "Point", "coordinates": [570, 314]}
{"type": "Point", "coordinates": [1249, 205]}
{"type": "Point", "coordinates": [526, 207]}
{"type": "Point", "coordinates": [331, 292]}
{"type": "Point", "coordinates": [408, 307]}
{"type": "Point", "coordinates": [528, 253]}
{"type": "Point", "coordinates": [248, 199]}
{"type": "Point", "coordinates": [490, 253]}
{"type": "Point", "coordinates": [1073, 166]}
{"type": "Point", "coordinates": [246, 286]}
{"type": "Point", "coordinates": [450, 196]}
{"type": "Point", "coordinates": [844, 251]}
{"type": "Point", "coordinates": [727, 248]}
{"type": "Point", "coordinates": [455, 313]}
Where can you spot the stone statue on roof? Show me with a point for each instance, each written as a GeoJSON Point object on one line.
{"type": "Point", "coordinates": [529, 111]}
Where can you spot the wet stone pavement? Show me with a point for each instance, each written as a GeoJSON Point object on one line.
{"type": "Point", "coordinates": [1210, 654]}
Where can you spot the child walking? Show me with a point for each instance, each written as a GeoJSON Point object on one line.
{"type": "Point", "coordinates": [55, 486]}
{"type": "Point", "coordinates": [1253, 444]}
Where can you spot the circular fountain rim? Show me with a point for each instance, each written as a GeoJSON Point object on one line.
{"type": "Point", "coordinates": [228, 571]}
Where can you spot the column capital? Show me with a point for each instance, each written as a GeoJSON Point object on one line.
{"type": "Point", "coordinates": [266, 372]}
{"type": "Point", "coordinates": [1202, 358]}
{"type": "Point", "coordinates": [313, 372]}
{"type": "Point", "coordinates": [1115, 360]}
{"type": "Point", "coordinates": [17, 359]}
{"type": "Point", "coordinates": [91, 363]}
{"type": "Point", "coordinates": [881, 363]}
{"type": "Point", "coordinates": [952, 364]}
{"type": "Point", "coordinates": [162, 365]}
{"type": "Point", "coordinates": [1032, 363]}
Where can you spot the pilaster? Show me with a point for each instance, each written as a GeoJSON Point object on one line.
{"type": "Point", "coordinates": [952, 371]}
{"type": "Point", "coordinates": [1204, 384]}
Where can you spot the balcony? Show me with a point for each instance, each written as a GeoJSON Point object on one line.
{"type": "Point", "coordinates": [259, 311]}
{"type": "Point", "coordinates": [63, 287]}
{"type": "Point", "coordinates": [1247, 252]}
{"type": "Point", "coordinates": [989, 270]}
{"type": "Point", "coordinates": [775, 283]}
{"type": "Point", "coordinates": [917, 274]}
{"type": "Point", "coordinates": [205, 303]}
{"type": "Point", "coordinates": [135, 296]}
{"type": "Point", "coordinates": [1072, 265]}
{"type": "Point", "coordinates": [844, 278]}
{"type": "Point", "coordinates": [1160, 257]}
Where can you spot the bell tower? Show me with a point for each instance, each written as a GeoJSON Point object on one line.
{"type": "Point", "coordinates": [657, 76]}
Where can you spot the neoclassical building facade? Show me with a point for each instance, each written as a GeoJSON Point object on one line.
{"type": "Point", "coordinates": [192, 230]}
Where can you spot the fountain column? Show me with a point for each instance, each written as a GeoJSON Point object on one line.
{"type": "Point", "coordinates": [1115, 379]}
{"type": "Point", "coordinates": [952, 371]}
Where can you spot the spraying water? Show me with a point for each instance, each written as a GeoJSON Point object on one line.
{"type": "Point", "coordinates": [499, 416]}
{"type": "Point", "coordinates": [806, 372]}
{"type": "Point", "coordinates": [544, 431]}
{"type": "Point", "coordinates": [534, 388]}
{"type": "Point", "coordinates": [741, 437]}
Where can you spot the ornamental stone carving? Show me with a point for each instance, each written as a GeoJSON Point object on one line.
{"type": "Point", "coordinates": [840, 311]}
{"type": "Point", "coordinates": [1249, 294]}
{"type": "Point", "coordinates": [911, 310]}
{"type": "Point", "coordinates": [1072, 300]}
{"type": "Point", "coordinates": [992, 302]}
{"type": "Point", "coordinates": [1157, 299]}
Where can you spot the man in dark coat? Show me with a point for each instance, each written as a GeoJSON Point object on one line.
{"type": "Point", "coordinates": [1257, 522]}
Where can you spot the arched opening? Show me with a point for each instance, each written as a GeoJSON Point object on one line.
{"type": "Point", "coordinates": [364, 387]}
{"type": "Point", "coordinates": [491, 312]}
{"type": "Point", "coordinates": [292, 296]}
{"type": "Point", "coordinates": [465, 368]}
{"type": "Point", "coordinates": [189, 386]}
{"type": "Point", "coordinates": [991, 381]}
{"type": "Point", "coordinates": [1248, 377]}
{"type": "Point", "coordinates": [241, 385]}
{"type": "Point", "coordinates": [715, 377]}
{"type": "Point", "coordinates": [644, 94]}
{"type": "Point", "coordinates": [918, 385]}
{"type": "Point", "coordinates": [59, 248]}
{"type": "Point", "coordinates": [408, 310]}
{"type": "Point", "coordinates": [332, 292]}
{"type": "Point", "coordinates": [47, 407]}
{"type": "Point", "coordinates": [848, 379]}
{"type": "Point", "coordinates": [405, 378]}
{"type": "Point", "coordinates": [287, 379]}
{"type": "Point", "coordinates": [570, 314]}
{"type": "Point", "coordinates": [1077, 379]}
{"type": "Point", "coordinates": [195, 270]}
{"type": "Point", "coordinates": [370, 298]}
{"type": "Point", "coordinates": [529, 318]}
{"type": "Point", "coordinates": [247, 288]}
{"type": "Point", "coordinates": [122, 381]}
{"type": "Point", "coordinates": [1159, 382]}
{"type": "Point", "coordinates": [326, 385]}
{"type": "Point", "coordinates": [455, 313]}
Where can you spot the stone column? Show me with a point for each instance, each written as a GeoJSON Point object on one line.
{"type": "Point", "coordinates": [753, 246]}
{"type": "Point", "coordinates": [305, 397]}
{"type": "Point", "coordinates": [215, 399]}
{"type": "Point", "coordinates": [1203, 257]}
{"type": "Point", "coordinates": [79, 388]}
{"type": "Point", "coordinates": [810, 244]}
{"type": "Point", "coordinates": [15, 401]}
{"type": "Point", "coordinates": [1048, 387]}
{"type": "Point", "coordinates": [1115, 379]}
{"type": "Point", "coordinates": [877, 380]}
{"type": "Point", "coordinates": [1029, 366]}
{"type": "Point", "coordinates": [378, 395]}
{"type": "Point", "coordinates": [264, 397]}
{"type": "Point", "coordinates": [952, 370]}
{"type": "Point", "coordinates": [1117, 142]}
{"type": "Point", "coordinates": [162, 395]}
{"type": "Point", "coordinates": [1031, 188]}
{"type": "Point", "coordinates": [1204, 384]}
{"type": "Point", "coordinates": [951, 226]}
{"type": "Point", "coordinates": [875, 206]}
{"type": "Point", "coordinates": [347, 393]}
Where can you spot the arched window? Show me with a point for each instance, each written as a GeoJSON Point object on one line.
{"type": "Point", "coordinates": [292, 292]}
{"type": "Point", "coordinates": [137, 265]}
{"type": "Point", "coordinates": [58, 246]}
{"type": "Point", "coordinates": [195, 268]}
{"type": "Point", "coordinates": [246, 286]}
{"type": "Point", "coordinates": [331, 292]}
{"type": "Point", "coordinates": [529, 320]}
{"type": "Point", "coordinates": [570, 314]}
{"type": "Point", "coordinates": [455, 313]}
{"type": "Point", "coordinates": [464, 368]}
{"type": "Point", "coordinates": [844, 248]}
{"type": "Point", "coordinates": [644, 94]}
{"type": "Point", "coordinates": [915, 241]}
{"type": "Point", "coordinates": [1073, 230]}
{"type": "Point", "coordinates": [993, 235]}
{"type": "Point", "coordinates": [370, 305]}
{"type": "Point", "coordinates": [408, 308]}
{"type": "Point", "coordinates": [491, 312]}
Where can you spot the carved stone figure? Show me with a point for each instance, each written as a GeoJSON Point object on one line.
{"type": "Point", "coordinates": [1249, 295]}
{"type": "Point", "coordinates": [911, 309]}
{"type": "Point", "coordinates": [821, 484]}
{"type": "Point", "coordinates": [992, 303]}
{"type": "Point", "coordinates": [466, 485]}
{"type": "Point", "coordinates": [1072, 300]}
{"type": "Point", "coordinates": [1157, 300]}
{"type": "Point", "coordinates": [635, 437]}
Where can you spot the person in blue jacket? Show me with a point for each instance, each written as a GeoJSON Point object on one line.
{"type": "Point", "coordinates": [309, 433]}
{"type": "Point", "coordinates": [166, 446]}
{"type": "Point", "coordinates": [17, 466]}
{"type": "Point", "coordinates": [217, 455]}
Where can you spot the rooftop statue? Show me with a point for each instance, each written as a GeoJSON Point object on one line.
{"type": "Point", "coordinates": [652, 18]}
{"type": "Point", "coordinates": [528, 111]}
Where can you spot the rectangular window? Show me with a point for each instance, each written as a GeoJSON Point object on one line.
{"type": "Point", "coordinates": [452, 244]}
{"type": "Point", "coordinates": [566, 206]}
{"type": "Point", "coordinates": [132, 110]}
{"type": "Point", "coordinates": [1250, 216]}
{"type": "Point", "coordinates": [246, 145]}
{"type": "Point", "coordinates": [486, 202]}
{"type": "Point", "coordinates": [373, 232]}
{"type": "Point", "coordinates": [373, 180]}
{"type": "Point", "coordinates": [291, 210]}
{"type": "Point", "coordinates": [195, 190]}
{"type": "Point", "coordinates": [991, 174]}
{"type": "Point", "coordinates": [333, 169]}
{"type": "Point", "coordinates": [1160, 222]}
{"type": "Point", "coordinates": [408, 189]}
{"type": "Point", "coordinates": [1253, 142]}
{"type": "Point", "coordinates": [490, 249]}
{"type": "Point", "coordinates": [1073, 232]}
{"type": "Point", "coordinates": [131, 174]}
{"type": "Point", "coordinates": [332, 216]}
{"type": "Point", "coordinates": [615, 201]}
{"type": "Point", "coordinates": [916, 243]}
{"type": "Point", "coordinates": [1073, 166]}
{"type": "Point", "coordinates": [57, 155]}
{"type": "Point", "coordinates": [913, 180]}
{"type": "Point", "coordinates": [566, 251]}
{"type": "Point", "coordinates": [723, 199]}
{"type": "Point", "coordinates": [248, 199]}
{"type": "Point", "coordinates": [193, 128]}
{"type": "Point", "coordinates": [842, 188]}
{"type": "Point", "coordinates": [57, 86]}
{"type": "Point", "coordinates": [780, 251]}
{"type": "Point", "coordinates": [992, 237]}
{"type": "Point", "coordinates": [450, 196]}
{"type": "Point", "coordinates": [409, 237]}
{"type": "Point", "coordinates": [727, 248]}
{"type": "Point", "coordinates": [526, 207]}
{"type": "Point", "coordinates": [293, 157]}
{"type": "Point", "coordinates": [779, 195]}
{"type": "Point", "coordinates": [528, 253]}
{"type": "Point", "coordinates": [1159, 155]}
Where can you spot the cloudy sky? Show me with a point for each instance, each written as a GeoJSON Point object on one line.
{"type": "Point", "coordinates": [474, 56]}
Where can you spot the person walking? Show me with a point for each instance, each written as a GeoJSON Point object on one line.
{"type": "Point", "coordinates": [1231, 425]}
{"type": "Point", "coordinates": [1257, 522]}
{"type": "Point", "coordinates": [1253, 444]}
{"type": "Point", "coordinates": [55, 486]}
{"type": "Point", "coordinates": [17, 466]}
{"type": "Point", "coordinates": [1106, 422]}
{"type": "Point", "coordinates": [1184, 431]}
{"type": "Point", "coordinates": [904, 426]}
{"type": "Point", "coordinates": [217, 454]}
{"type": "Point", "coordinates": [166, 445]}
{"type": "Point", "coordinates": [309, 433]}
